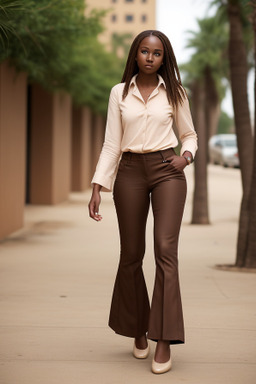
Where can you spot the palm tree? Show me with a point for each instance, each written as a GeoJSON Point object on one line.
{"type": "Point", "coordinates": [200, 213]}
{"type": "Point", "coordinates": [250, 260]}
{"type": "Point", "coordinates": [203, 77]}
{"type": "Point", "coordinates": [210, 59]}
{"type": "Point", "coordinates": [238, 75]}
{"type": "Point", "coordinates": [237, 15]}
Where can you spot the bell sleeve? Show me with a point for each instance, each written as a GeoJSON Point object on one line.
{"type": "Point", "coordinates": [106, 168]}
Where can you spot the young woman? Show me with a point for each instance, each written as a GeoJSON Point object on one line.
{"type": "Point", "coordinates": [141, 112]}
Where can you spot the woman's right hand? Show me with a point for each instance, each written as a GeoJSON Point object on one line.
{"type": "Point", "coordinates": [94, 203]}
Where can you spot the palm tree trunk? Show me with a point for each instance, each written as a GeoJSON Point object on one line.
{"type": "Point", "coordinates": [200, 213]}
{"type": "Point", "coordinates": [251, 251]}
{"type": "Point", "coordinates": [238, 73]}
{"type": "Point", "coordinates": [212, 104]}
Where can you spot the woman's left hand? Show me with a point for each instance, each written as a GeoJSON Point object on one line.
{"type": "Point", "coordinates": [178, 162]}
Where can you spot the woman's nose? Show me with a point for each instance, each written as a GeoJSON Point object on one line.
{"type": "Point", "coordinates": [150, 57]}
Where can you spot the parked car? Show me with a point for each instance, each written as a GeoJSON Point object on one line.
{"type": "Point", "coordinates": [223, 150]}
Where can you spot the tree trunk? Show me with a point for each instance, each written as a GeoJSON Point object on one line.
{"type": "Point", "coordinates": [238, 73]}
{"type": "Point", "coordinates": [212, 104]}
{"type": "Point", "coordinates": [251, 251]}
{"type": "Point", "coordinates": [200, 213]}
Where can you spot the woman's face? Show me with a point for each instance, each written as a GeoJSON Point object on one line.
{"type": "Point", "coordinates": [150, 55]}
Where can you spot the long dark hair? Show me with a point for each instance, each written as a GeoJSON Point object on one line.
{"type": "Point", "coordinates": [169, 70]}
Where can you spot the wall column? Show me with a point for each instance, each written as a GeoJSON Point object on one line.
{"type": "Point", "coordinates": [13, 117]}
{"type": "Point", "coordinates": [50, 165]}
{"type": "Point", "coordinates": [81, 148]}
{"type": "Point", "coordinates": [98, 133]}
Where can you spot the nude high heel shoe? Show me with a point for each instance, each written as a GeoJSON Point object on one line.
{"type": "Point", "coordinates": [140, 353]}
{"type": "Point", "coordinates": [161, 367]}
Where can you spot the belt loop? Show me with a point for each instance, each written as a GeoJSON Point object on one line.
{"type": "Point", "coordinates": [163, 158]}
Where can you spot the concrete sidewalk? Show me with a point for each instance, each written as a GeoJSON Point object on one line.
{"type": "Point", "coordinates": [56, 282]}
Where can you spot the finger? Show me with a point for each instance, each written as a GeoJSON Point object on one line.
{"type": "Point", "coordinates": [98, 217]}
{"type": "Point", "coordinates": [95, 213]}
{"type": "Point", "coordinates": [92, 212]}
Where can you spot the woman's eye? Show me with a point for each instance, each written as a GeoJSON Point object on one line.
{"type": "Point", "coordinates": [145, 52]}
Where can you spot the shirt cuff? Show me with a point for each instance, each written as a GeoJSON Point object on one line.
{"type": "Point", "coordinates": [188, 147]}
{"type": "Point", "coordinates": [105, 182]}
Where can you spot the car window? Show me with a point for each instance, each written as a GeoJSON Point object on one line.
{"type": "Point", "coordinates": [229, 143]}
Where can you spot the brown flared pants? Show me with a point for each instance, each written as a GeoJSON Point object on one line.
{"type": "Point", "coordinates": [139, 178]}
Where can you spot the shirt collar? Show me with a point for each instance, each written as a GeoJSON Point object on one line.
{"type": "Point", "coordinates": [160, 81]}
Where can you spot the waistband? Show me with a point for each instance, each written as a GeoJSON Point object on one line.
{"type": "Point", "coordinates": [161, 153]}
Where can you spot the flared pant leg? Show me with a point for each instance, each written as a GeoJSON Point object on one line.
{"type": "Point", "coordinates": [166, 317]}
{"type": "Point", "coordinates": [140, 176]}
{"type": "Point", "coordinates": [129, 314]}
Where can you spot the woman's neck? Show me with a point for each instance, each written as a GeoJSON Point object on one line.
{"type": "Point", "coordinates": [147, 80]}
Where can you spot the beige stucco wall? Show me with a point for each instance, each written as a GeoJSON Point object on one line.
{"type": "Point", "coordinates": [81, 148]}
{"type": "Point", "coordinates": [13, 99]}
{"type": "Point", "coordinates": [50, 165]}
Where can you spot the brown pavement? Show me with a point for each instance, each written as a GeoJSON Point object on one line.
{"type": "Point", "coordinates": [56, 283]}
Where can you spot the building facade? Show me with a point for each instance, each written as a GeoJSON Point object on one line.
{"type": "Point", "coordinates": [125, 17]}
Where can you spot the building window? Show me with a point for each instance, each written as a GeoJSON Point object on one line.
{"type": "Point", "coordinates": [113, 18]}
{"type": "Point", "coordinates": [129, 1]}
{"type": "Point", "coordinates": [114, 1]}
{"type": "Point", "coordinates": [143, 1]}
{"type": "Point", "coordinates": [144, 18]}
{"type": "Point", "coordinates": [129, 18]}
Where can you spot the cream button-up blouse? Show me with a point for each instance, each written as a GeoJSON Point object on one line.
{"type": "Point", "coordinates": [136, 126]}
